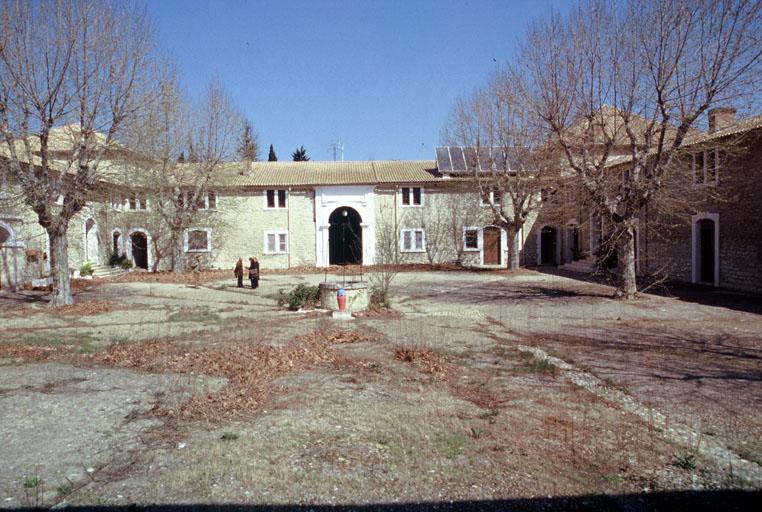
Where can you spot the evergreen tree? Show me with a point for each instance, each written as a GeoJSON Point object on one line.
{"type": "Point", "coordinates": [248, 148]}
{"type": "Point", "coordinates": [271, 156]}
{"type": "Point", "coordinates": [181, 158]}
{"type": "Point", "coordinates": [300, 155]}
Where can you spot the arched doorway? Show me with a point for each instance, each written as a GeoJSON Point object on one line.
{"type": "Point", "coordinates": [706, 251]}
{"type": "Point", "coordinates": [492, 244]}
{"type": "Point", "coordinates": [548, 236]}
{"type": "Point", "coordinates": [345, 237]}
{"type": "Point", "coordinates": [139, 244]}
{"type": "Point", "coordinates": [92, 250]}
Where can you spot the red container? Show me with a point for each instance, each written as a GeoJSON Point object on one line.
{"type": "Point", "coordinates": [341, 297]}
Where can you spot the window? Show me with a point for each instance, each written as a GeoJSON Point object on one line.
{"type": "Point", "coordinates": [494, 196]}
{"type": "Point", "coordinates": [212, 200]}
{"type": "Point", "coordinates": [275, 198]}
{"type": "Point", "coordinates": [411, 196]}
{"type": "Point", "coordinates": [705, 166]}
{"type": "Point", "coordinates": [133, 202]}
{"type": "Point", "coordinates": [198, 240]}
{"type": "Point", "coordinates": [413, 240]}
{"type": "Point", "coordinates": [471, 239]}
{"type": "Point", "coordinates": [276, 242]}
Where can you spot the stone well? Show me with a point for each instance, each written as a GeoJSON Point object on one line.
{"type": "Point", "coordinates": [358, 298]}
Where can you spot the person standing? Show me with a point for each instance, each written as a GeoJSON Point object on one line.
{"type": "Point", "coordinates": [254, 272]}
{"type": "Point", "coordinates": [238, 272]}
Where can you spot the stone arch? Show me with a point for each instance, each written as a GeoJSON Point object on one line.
{"type": "Point", "coordinates": [92, 243]}
{"type": "Point", "coordinates": [139, 235]}
{"type": "Point", "coordinates": [705, 248]}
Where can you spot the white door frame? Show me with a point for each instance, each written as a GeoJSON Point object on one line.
{"type": "Point", "coordinates": [357, 197]}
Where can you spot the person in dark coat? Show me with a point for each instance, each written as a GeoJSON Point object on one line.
{"type": "Point", "coordinates": [239, 272]}
{"type": "Point", "coordinates": [254, 272]}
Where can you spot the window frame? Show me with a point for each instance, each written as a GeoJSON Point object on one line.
{"type": "Point", "coordinates": [412, 232]}
{"type": "Point", "coordinates": [410, 197]}
{"type": "Point", "coordinates": [705, 158]}
{"type": "Point", "coordinates": [186, 240]}
{"type": "Point", "coordinates": [491, 196]}
{"type": "Point", "coordinates": [477, 231]}
{"type": "Point", "coordinates": [277, 234]}
{"type": "Point", "coordinates": [276, 199]}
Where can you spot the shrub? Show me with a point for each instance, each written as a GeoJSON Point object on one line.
{"type": "Point", "coordinates": [126, 264]}
{"type": "Point", "coordinates": [686, 461]}
{"type": "Point", "coordinates": [86, 269]}
{"type": "Point", "coordinates": [302, 295]}
{"type": "Point", "coordinates": [117, 260]}
{"type": "Point", "coordinates": [379, 298]}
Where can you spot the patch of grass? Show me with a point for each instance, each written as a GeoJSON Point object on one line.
{"type": "Point", "coordinates": [229, 436]}
{"type": "Point", "coordinates": [65, 489]}
{"type": "Point", "coordinates": [539, 364]}
{"type": "Point", "coordinates": [450, 445]}
{"type": "Point", "coordinates": [476, 432]}
{"type": "Point", "coordinates": [195, 315]}
{"type": "Point", "coordinates": [32, 482]}
{"type": "Point", "coordinates": [686, 461]}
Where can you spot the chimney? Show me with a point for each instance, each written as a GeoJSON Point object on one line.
{"type": "Point", "coordinates": [720, 118]}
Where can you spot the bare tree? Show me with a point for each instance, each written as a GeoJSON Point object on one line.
{"type": "Point", "coordinates": [179, 189]}
{"type": "Point", "coordinates": [508, 153]}
{"type": "Point", "coordinates": [627, 83]}
{"type": "Point", "coordinates": [389, 257]}
{"type": "Point", "coordinates": [77, 64]}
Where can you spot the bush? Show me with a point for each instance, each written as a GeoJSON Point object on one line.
{"type": "Point", "coordinates": [117, 260]}
{"type": "Point", "coordinates": [127, 264]}
{"type": "Point", "coordinates": [379, 298]}
{"type": "Point", "coordinates": [86, 269]}
{"type": "Point", "coordinates": [302, 295]}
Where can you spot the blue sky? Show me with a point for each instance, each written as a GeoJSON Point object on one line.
{"type": "Point", "coordinates": [379, 76]}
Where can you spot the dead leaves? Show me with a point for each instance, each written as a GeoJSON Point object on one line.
{"type": "Point", "coordinates": [86, 308]}
{"type": "Point", "coordinates": [249, 368]}
{"type": "Point", "coordinates": [427, 361]}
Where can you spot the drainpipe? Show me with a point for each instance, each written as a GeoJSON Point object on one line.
{"type": "Point", "coordinates": [288, 224]}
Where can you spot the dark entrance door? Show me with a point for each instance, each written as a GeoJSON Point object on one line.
{"type": "Point", "coordinates": [492, 245]}
{"type": "Point", "coordinates": [139, 249]}
{"type": "Point", "coordinates": [548, 246]}
{"type": "Point", "coordinates": [116, 243]}
{"type": "Point", "coordinates": [706, 251]}
{"type": "Point", "coordinates": [345, 237]}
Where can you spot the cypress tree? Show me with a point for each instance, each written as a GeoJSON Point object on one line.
{"type": "Point", "coordinates": [271, 156]}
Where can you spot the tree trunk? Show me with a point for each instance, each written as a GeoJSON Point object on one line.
{"type": "Point", "coordinates": [513, 250]}
{"type": "Point", "coordinates": [177, 253]}
{"type": "Point", "coordinates": [626, 260]}
{"type": "Point", "coordinates": [59, 269]}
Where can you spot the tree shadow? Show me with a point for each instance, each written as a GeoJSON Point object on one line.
{"type": "Point", "coordinates": [725, 500]}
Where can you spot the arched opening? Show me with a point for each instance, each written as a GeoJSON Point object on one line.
{"type": "Point", "coordinates": [139, 244]}
{"type": "Point", "coordinates": [5, 236]}
{"type": "Point", "coordinates": [92, 252]}
{"type": "Point", "coordinates": [548, 236]}
{"type": "Point", "coordinates": [706, 251]}
{"type": "Point", "coordinates": [345, 237]}
{"type": "Point", "coordinates": [117, 243]}
{"type": "Point", "coordinates": [492, 243]}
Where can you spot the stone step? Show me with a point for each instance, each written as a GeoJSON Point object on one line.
{"type": "Point", "coordinates": [586, 266]}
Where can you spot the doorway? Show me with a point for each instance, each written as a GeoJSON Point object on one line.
{"type": "Point", "coordinates": [345, 237]}
{"type": "Point", "coordinates": [139, 249]}
{"type": "Point", "coordinates": [706, 251]}
{"type": "Point", "coordinates": [492, 243]}
{"type": "Point", "coordinates": [548, 236]}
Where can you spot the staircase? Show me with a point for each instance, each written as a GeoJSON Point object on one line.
{"type": "Point", "coordinates": [583, 266]}
{"type": "Point", "coordinates": [107, 271]}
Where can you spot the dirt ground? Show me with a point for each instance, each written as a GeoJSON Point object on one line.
{"type": "Point", "coordinates": [483, 386]}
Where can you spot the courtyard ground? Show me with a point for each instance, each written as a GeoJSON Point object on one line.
{"type": "Point", "coordinates": [480, 386]}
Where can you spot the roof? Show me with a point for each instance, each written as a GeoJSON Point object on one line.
{"type": "Point", "coordinates": [317, 173]}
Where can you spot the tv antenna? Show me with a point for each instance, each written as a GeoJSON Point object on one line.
{"type": "Point", "coordinates": [337, 150]}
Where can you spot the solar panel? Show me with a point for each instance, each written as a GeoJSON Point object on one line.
{"type": "Point", "coordinates": [458, 161]}
{"type": "Point", "coordinates": [485, 159]}
{"type": "Point", "coordinates": [443, 160]}
{"type": "Point", "coordinates": [472, 164]}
